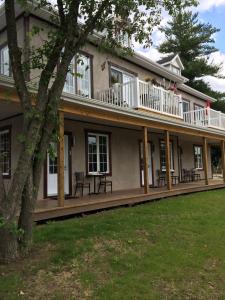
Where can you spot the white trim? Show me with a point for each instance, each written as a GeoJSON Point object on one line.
{"type": "Point", "coordinates": [97, 135]}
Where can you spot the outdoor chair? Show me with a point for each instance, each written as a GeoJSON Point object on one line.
{"type": "Point", "coordinates": [80, 183]}
{"type": "Point", "coordinates": [103, 182]}
{"type": "Point", "coordinates": [195, 176]}
{"type": "Point", "coordinates": [186, 175]}
{"type": "Point", "coordinates": [161, 178]}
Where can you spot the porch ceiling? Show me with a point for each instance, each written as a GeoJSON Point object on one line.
{"type": "Point", "coordinates": [8, 109]}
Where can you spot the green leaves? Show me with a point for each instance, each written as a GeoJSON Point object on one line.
{"type": "Point", "coordinates": [194, 42]}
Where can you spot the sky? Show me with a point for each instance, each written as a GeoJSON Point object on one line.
{"type": "Point", "coordinates": [210, 11]}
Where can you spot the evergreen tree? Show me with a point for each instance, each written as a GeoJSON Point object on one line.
{"type": "Point", "coordinates": [194, 42]}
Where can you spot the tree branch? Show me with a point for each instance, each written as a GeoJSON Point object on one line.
{"type": "Point", "coordinates": [15, 56]}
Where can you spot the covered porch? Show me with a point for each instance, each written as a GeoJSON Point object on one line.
{"type": "Point", "coordinates": [135, 175]}
{"type": "Point", "coordinates": [48, 208]}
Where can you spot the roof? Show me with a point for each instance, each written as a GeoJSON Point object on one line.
{"type": "Point", "coordinates": [166, 59]}
{"type": "Point", "coordinates": [196, 93]}
{"type": "Point", "coordinates": [170, 59]}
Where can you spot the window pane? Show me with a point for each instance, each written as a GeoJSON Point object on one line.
{"type": "Point", "coordinates": [92, 153]}
{"type": "Point", "coordinates": [98, 156]}
{"type": "Point", "coordinates": [5, 151]}
{"type": "Point", "coordinates": [4, 61]}
{"type": "Point", "coordinates": [69, 86]}
{"type": "Point", "coordinates": [83, 76]}
{"type": "Point", "coordinates": [163, 156]}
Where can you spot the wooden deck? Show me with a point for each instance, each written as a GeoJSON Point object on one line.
{"type": "Point", "coordinates": [48, 209]}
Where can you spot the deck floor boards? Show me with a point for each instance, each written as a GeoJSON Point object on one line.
{"type": "Point", "coordinates": [48, 208]}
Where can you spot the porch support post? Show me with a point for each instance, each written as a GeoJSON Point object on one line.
{"type": "Point", "coordinates": [205, 160]}
{"type": "Point", "coordinates": [223, 159]}
{"type": "Point", "coordinates": [168, 174]}
{"type": "Point", "coordinates": [145, 158]}
{"type": "Point", "coordinates": [61, 192]}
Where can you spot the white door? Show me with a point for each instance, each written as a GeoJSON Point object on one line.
{"type": "Point", "coordinates": [127, 89]}
{"type": "Point", "coordinates": [150, 176]}
{"type": "Point", "coordinates": [52, 177]}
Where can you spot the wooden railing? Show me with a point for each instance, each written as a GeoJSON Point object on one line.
{"type": "Point", "coordinates": [205, 117]}
{"type": "Point", "coordinates": [139, 94]}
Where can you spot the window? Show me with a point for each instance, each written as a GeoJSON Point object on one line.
{"type": "Point", "coordinates": [84, 77]}
{"type": "Point", "coordinates": [98, 153]}
{"type": "Point", "coordinates": [5, 151]}
{"type": "Point", "coordinates": [198, 107]}
{"type": "Point", "coordinates": [198, 160]}
{"type": "Point", "coordinates": [186, 106]}
{"type": "Point", "coordinates": [175, 70]}
{"type": "Point", "coordinates": [78, 79]}
{"type": "Point", "coordinates": [163, 156]}
{"type": "Point", "coordinates": [4, 61]}
{"type": "Point", "coordinates": [119, 76]}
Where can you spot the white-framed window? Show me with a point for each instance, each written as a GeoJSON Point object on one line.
{"type": "Point", "coordinates": [119, 76]}
{"type": "Point", "coordinates": [186, 106]}
{"type": "Point", "coordinates": [69, 86]}
{"type": "Point", "coordinates": [198, 107]}
{"type": "Point", "coordinates": [5, 151]}
{"type": "Point", "coordinates": [175, 70]}
{"type": "Point", "coordinates": [84, 77]}
{"type": "Point", "coordinates": [198, 157]}
{"type": "Point", "coordinates": [98, 160]}
{"type": "Point", "coordinates": [163, 156]}
{"type": "Point", "coordinates": [4, 61]}
{"type": "Point", "coordinates": [78, 80]}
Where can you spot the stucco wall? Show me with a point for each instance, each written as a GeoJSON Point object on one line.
{"type": "Point", "coordinates": [125, 152]}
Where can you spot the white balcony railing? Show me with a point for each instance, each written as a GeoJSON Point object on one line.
{"type": "Point", "coordinates": [160, 100]}
{"type": "Point", "coordinates": [205, 117]}
{"type": "Point", "coordinates": [139, 94]}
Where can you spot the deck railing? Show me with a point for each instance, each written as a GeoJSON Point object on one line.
{"type": "Point", "coordinates": [160, 100]}
{"type": "Point", "coordinates": [140, 94]}
{"type": "Point", "coordinates": [121, 95]}
{"type": "Point", "coordinates": [205, 117]}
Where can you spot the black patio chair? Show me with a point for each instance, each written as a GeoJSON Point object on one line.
{"type": "Point", "coordinates": [103, 182]}
{"type": "Point", "coordinates": [80, 183]}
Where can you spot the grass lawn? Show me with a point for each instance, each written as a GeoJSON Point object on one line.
{"type": "Point", "coordinates": [172, 249]}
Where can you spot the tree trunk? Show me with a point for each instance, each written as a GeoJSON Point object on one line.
{"type": "Point", "coordinates": [8, 244]}
{"type": "Point", "coordinates": [25, 223]}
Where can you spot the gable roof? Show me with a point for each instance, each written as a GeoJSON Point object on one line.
{"type": "Point", "coordinates": [170, 59]}
{"type": "Point", "coordinates": [166, 59]}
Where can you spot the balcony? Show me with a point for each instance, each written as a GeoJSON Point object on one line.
{"type": "Point", "coordinates": [143, 95]}
{"type": "Point", "coordinates": [205, 117]}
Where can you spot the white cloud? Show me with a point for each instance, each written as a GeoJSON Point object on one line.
{"type": "Point", "coordinates": [216, 83]}
{"type": "Point", "coordinates": [205, 5]}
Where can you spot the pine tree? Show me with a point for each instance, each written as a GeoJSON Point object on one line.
{"type": "Point", "coordinates": [194, 42]}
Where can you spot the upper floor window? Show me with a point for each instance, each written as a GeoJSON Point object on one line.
{"type": "Point", "coordinates": [175, 70]}
{"type": "Point", "coordinates": [119, 76]}
{"type": "Point", "coordinates": [198, 157]}
{"type": "Point", "coordinates": [163, 156]}
{"type": "Point", "coordinates": [198, 107]}
{"type": "Point", "coordinates": [186, 106]}
{"type": "Point", "coordinates": [4, 61]}
{"type": "Point", "coordinates": [98, 160]}
{"type": "Point", "coordinates": [5, 151]}
{"type": "Point", "coordinates": [78, 80]}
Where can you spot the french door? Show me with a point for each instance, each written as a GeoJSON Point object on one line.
{"type": "Point", "coordinates": [150, 165]}
{"type": "Point", "coordinates": [52, 170]}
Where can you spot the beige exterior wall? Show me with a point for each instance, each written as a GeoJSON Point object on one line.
{"type": "Point", "coordinates": [16, 128]}
{"type": "Point", "coordinates": [101, 61]}
{"type": "Point", "coordinates": [125, 155]}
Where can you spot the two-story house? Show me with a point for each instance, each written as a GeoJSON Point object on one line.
{"type": "Point", "coordinates": [132, 119]}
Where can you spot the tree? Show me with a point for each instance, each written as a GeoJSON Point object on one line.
{"type": "Point", "coordinates": [75, 20]}
{"type": "Point", "coordinates": [194, 42]}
